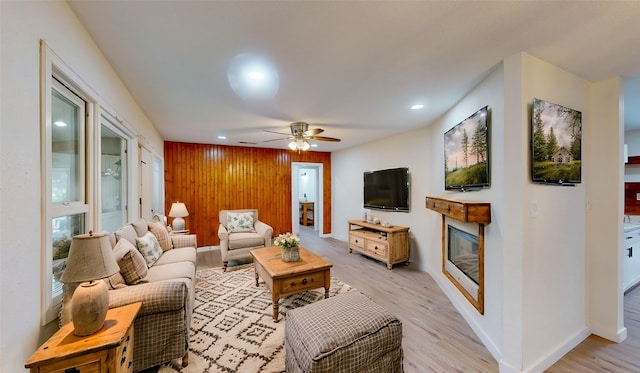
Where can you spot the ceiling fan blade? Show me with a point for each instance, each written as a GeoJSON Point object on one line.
{"type": "Point", "coordinates": [282, 138]}
{"type": "Point", "coordinates": [279, 133]}
{"type": "Point", "coordinates": [324, 138]}
{"type": "Point", "coordinates": [313, 132]}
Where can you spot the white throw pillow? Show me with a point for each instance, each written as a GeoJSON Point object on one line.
{"type": "Point", "coordinates": [240, 222]}
{"type": "Point", "coordinates": [149, 248]}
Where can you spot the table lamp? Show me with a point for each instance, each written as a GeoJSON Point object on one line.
{"type": "Point", "coordinates": [90, 258]}
{"type": "Point", "coordinates": [178, 211]}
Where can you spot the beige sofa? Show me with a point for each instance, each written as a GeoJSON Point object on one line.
{"type": "Point", "coordinates": [237, 243]}
{"type": "Point", "coordinates": [166, 289]}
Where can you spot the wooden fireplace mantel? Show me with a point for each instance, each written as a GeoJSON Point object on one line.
{"type": "Point", "coordinates": [467, 212]}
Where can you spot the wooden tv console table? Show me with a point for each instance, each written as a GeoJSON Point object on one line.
{"type": "Point", "coordinates": [386, 244]}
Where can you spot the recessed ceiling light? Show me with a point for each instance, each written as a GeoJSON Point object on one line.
{"type": "Point", "coordinates": [60, 124]}
{"type": "Point", "coordinates": [252, 77]}
{"type": "Point", "coordinates": [222, 137]}
{"type": "Point", "coordinates": [256, 75]}
{"type": "Point", "coordinates": [314, 145]}
{"type": "Point", "coordinates": [417, 107]}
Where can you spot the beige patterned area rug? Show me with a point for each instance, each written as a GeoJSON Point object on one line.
{"type": "Point", "coordinates": [232, 329]}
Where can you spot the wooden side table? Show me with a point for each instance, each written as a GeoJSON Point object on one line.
{"type": "Point", "coordinates": [108, 350]}
{"type": "Point", "coordinates": [306, 213]}
{"type": "Point", "coordinates": [186, 231]}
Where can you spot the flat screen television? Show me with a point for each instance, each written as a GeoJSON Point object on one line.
{"type": "Point", "coordinates": [387, 189]}
{"type": "Point", "coordinates": [466, 153]}
{"type": "Point", "coordinates": [556, 144]}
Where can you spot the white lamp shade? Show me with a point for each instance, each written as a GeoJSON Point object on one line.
{"type": "Point", "coordinates": [90, 258]}
{"type": "Point", "coordinates": [178, 210]}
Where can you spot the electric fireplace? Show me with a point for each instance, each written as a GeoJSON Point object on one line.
{"type": "Point", "coordinates": [463, 261]}
{"type": "Point", "coordinates": [463, 252]}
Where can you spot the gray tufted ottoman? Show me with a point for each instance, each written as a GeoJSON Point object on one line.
{"type": "Point", "coordinates": [345, 333]}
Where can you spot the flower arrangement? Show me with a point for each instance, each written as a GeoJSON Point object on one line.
{"type": "Point", "coordinates": [287, 240]}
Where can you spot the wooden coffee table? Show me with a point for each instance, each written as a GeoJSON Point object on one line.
{"type": "Point", "coordinates": [286, 278]}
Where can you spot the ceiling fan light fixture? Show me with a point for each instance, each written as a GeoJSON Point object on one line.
{"type": "Point", "coordinates": [299, 144]}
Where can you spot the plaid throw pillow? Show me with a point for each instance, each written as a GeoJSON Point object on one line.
{"type": "Point", "coordinates": [132, 265]}
{"type": "Point", "coordinates": [162, 235]}
{"type": "Point", "coordinates": [240, 222]}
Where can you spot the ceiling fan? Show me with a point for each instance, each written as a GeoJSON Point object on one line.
{"type": "Point", "coordinates": [301, 134]}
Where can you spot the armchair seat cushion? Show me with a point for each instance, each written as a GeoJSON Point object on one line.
{"type": "Point", "coordinates": [245, 239]}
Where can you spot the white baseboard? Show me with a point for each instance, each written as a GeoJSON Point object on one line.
{"type": "Point", "coordinates": [545, 362]}
{"type": "Point", "coordinates": [616, 337]}
{"type": "Point", "coordinates": [461, 304]}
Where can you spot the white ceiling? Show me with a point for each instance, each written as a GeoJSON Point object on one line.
{"type": "Point", "coordinates": [352, 68]}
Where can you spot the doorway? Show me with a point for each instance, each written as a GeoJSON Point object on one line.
{"type": "Point", "coordinates": [306, 186]}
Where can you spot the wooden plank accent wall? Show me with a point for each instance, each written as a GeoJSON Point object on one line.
{"type": "Point", "coordinates": [209, 178]}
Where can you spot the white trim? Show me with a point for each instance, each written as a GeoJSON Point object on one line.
{"type": "Point", "coordinates": [53, 66]}
{"type": "Point", "coordinates": [319, 210]}
{"type": "Point", "coordinates": [466, 309]}
{"type": "Point", "coordinates": [158, 185]}
{"type": "Point", "coordinates": [120, 129]}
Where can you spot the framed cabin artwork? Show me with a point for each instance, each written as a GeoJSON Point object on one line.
{"type": "Point", "coordinates": [556, 144]}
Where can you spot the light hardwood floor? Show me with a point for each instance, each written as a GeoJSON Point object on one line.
{"type": "Point", "coordinates": [435, 336]}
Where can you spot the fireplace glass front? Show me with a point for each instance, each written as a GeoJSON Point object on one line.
{"type": "Point", "coordinates": [463, 252]}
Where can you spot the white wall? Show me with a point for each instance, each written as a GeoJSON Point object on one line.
{"type": "Point", "coordinates": [308, 184]}
{"type": "Point", "coordinates": [23, 24]}
{"type": "Point", "coordinates": [605, 209]}
{"type": "Point", "coordinates": [422, 151]}
{"type": "Point", "coordinates": [554, 255]}
{"type": "Point", "coordinates": [542, 278]}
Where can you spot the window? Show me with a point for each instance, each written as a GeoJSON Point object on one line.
{"type": "Point", "coordinates": [87, 181]}
{"type": "Point", "coordinates": [113, 175]}
{"type": "Point", "coordinates": [65, 167]}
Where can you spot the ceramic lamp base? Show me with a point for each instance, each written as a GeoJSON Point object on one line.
{"type": "Point", "coordinates": [89, 307]}
{"type": "Point", "coordinates": [178, 224]}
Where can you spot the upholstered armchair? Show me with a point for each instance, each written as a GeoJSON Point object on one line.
{"type": "Point", "coordinates": [240, 231]}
